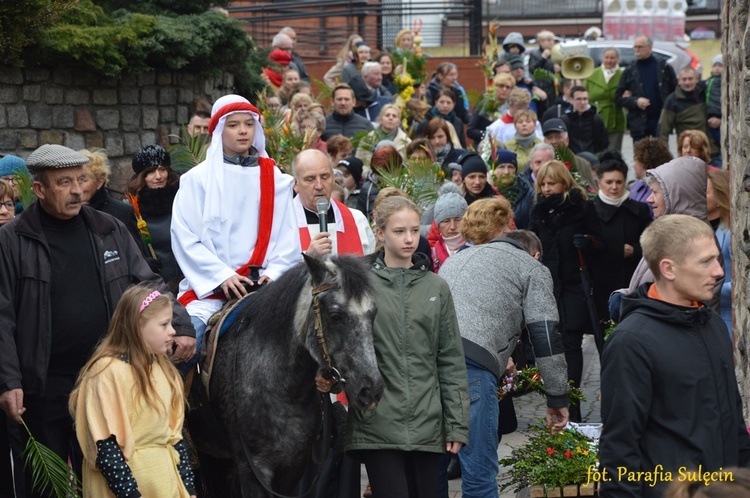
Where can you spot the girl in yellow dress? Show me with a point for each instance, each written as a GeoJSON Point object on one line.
{"type": "Point", "coordinates": [128, 406]}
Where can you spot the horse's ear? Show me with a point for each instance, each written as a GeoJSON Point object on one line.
{"type": "Point", "coordinates": [369, 259]}
{"type": "Point", "coordinates": [317, 268]}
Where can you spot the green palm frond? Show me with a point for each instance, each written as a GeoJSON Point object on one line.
{"type": "Point", "coordinates": [25, 193]}
{"type": "Point", "coordinates": [419, 179]}
{"type": "Point", "coordinates": [323, 92]}
{"type": "Point", "coordinates": [188, 151]}
{"type": "Point", "coordinates": [49, 471]}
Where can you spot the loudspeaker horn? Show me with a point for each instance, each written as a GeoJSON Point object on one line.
{"type": "Point", "coordinates": [577, 67]}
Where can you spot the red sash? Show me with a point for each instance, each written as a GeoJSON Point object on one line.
{"type": "Point", "coordinates": [347, 242]}
{"type": "Point", "coordinates": [265, 224]}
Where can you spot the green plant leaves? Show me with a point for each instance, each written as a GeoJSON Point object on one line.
{"type": "Point", "coordinates": [49, 471]}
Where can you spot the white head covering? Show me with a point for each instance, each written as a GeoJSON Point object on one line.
{"type": "Point", "coordinates": [214, 212]}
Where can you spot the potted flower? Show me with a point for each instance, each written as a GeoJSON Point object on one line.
{"type": "Point", "coordinates": [552, 464]}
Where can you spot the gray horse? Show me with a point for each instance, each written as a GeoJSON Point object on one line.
{"type": "Point", "coordinates": [263, 383]}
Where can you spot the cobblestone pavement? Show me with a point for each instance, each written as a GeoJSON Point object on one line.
{"type": "Point", "coordinates": [532, 407]}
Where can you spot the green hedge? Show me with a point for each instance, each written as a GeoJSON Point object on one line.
{"type": "Point", "coordinates": [83, 35]}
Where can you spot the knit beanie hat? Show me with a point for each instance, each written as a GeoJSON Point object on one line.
{"type": "Point", "coordinates": [354, 166]}
{"type": "Point", "coordinates": [12, 165]}
{"type": "Point", "coordinates": [473, 164]}
{"type": "Point", "coordinates": [280, 57]}
{"type": "Point", "coordinates": [514, 61]}
{"type": "Point", "coordinates": [504, 156]}
{"type": "Point", "coordinates": [719, 59]}
{"type": "Point", "coordinates": [151, 156]}
{"type": "Point", "coordinates": [450, 205]}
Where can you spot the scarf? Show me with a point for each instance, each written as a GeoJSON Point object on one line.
{"type": "Point", "coordinates": [454, 243]}
{"type": "Point", "coordinates": [614, 202]}
{"type": "Point", "coordinates": [248, 161]}
{"type": "Point", "coordinates": [609, 73]}
{"type": "Point", "coordinates": [391, 135]}
{"type": "Point", "coordinates": [442, 152]}
{"type": "Point", "coordinates": [273, 76]}
{"type": "Point", "coordinates": [525, 142]}
{"type": "Point", "coordinates": [157, 201]}
{"type": "Point", "coordinates": [488, 191]}
{"type": "Point", "coordinates": [436, 114]}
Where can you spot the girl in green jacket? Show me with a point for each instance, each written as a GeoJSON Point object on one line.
{"type": "Point", "coordinates": [424, 411]}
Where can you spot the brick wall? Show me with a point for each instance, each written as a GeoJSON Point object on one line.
{"type": "Point", "coordinates": [44, 106]}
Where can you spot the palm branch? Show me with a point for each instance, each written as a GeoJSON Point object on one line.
{"type": "Point", "coordinates": [419, 179]}
{"type": "Point", "coordinates": [48, 470]}
{"type": "Point", "coordinates": [188, 151]}
{"type": "Point", "coordinates": [25, 192]}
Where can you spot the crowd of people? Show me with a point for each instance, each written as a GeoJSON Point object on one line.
{"type": "Point", "coordinates": [537, 207]}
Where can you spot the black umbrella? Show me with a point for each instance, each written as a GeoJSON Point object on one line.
{"type": "Point", "coordinates": [588, 293]}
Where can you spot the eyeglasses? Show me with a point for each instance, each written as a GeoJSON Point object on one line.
{"type": "Point", "coordinates": [507, 87]}
{"type": "Point", "coordinates": [9, 205]}
{"type": "Point", "coordinates": [10, 179]}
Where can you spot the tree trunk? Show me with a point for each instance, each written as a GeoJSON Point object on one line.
{"type": "Point", "coordinates": [735, 137]}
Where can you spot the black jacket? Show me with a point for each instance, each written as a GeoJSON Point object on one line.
{"type": "Point", "coordinates": [478, 122]}
{"type": "Point", "coordinates": [610, 269]}
{"type": "Point", "coordinates": [156, 209]}
{"type": "Point", "coordinates": [586, 131]}
{"type": "Point", "coordinates": [524, 200]}
{"type": "Point", "coordinates": [631, 80]}
{"type": "Point", "coordinates": [349, 125]}
{"type": "Point", "coordinates": [25, 267]}
{"type": "Point", "coordinates": [669, 395]}
{"type": "Point", "coordinates": [433, 90]}
{"type": "Point", "coordinates": [556, 220]}
{"type": "Point", "coordinates": [102, 201]}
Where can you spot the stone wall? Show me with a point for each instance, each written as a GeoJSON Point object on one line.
{"type": "Point", "coordinates": [735, 137]}
{"type": "Point", "coordinates": [58, 106]}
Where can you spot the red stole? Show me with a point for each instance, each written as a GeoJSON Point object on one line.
{"type": "Point", "coordinates": [347, 242]}
{"type": "Point", "coordinates": [265, 224]}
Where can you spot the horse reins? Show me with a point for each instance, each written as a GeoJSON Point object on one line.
{"type": "Point", "coordinates": [332, 371]}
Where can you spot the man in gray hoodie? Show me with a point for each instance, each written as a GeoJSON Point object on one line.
{"type": "Point", "coordinates": [498, 287]}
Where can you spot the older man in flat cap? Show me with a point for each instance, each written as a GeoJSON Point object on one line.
{"type": "Point", "coordinates": [63, 268]}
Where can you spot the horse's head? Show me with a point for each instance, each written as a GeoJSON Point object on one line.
{"type": "Point", "coordinates": [347, 310]}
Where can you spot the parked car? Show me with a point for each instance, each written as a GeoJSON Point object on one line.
{"type": "Point", "coordinates": [675, 53]}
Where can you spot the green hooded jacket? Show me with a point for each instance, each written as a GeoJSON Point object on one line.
{"type": "Point", "coordinates": [418, 346]}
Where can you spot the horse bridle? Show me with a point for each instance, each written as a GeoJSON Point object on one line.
{"type": "Point", "coordinates": [331, 371]}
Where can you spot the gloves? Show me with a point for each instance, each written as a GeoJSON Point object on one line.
{"type": "Point", "coordinates": [581, 241]}
{"type": "Point", "coordinates": [614, 306]}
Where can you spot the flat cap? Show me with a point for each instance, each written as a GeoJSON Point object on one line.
{"type": "Point", "coordinates": [52, 156]}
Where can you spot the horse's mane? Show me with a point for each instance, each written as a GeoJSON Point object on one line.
{"type": "Point", "coordinates": [277, 303]}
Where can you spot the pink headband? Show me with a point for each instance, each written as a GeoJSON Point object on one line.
{"type": "Point", "coordinates": [149, 299]}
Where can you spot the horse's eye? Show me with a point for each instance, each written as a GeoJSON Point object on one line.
{"type": "Point", "coordinates": [334, 315]}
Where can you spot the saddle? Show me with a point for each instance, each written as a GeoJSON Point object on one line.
{"type": "Point", "coordinates": [217, 325]}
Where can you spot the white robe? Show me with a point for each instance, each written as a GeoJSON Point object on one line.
{"type": "Point", "coordinates": [207, 262]}
{"type": "Point", "coordinates": [363, 227]}
{"type": "Point", "coordinates": [502, 132]}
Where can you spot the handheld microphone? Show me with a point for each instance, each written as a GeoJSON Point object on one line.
{"type": "Point", "coordinates": [323, 206]}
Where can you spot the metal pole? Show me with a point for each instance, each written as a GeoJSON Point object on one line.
{"type": "Point", "coordinates": [475, 28]}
